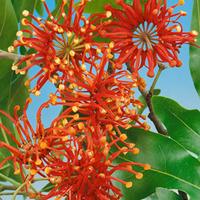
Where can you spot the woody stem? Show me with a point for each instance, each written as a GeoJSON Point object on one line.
{"type": "Point", "coordinates": [10, 56]}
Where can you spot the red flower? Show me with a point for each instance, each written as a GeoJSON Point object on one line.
{"type": "Point", "coordinates": [86, 170]}
{"type": "Point", "coordinates": [57, 43]}
{"type": "Point", "coordinates": [146, 38]}
{"type": "Point", "coordinates": [100, 98]}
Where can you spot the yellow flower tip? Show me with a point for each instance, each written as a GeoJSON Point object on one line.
{"type": "Point", "coordinates": [178, 28]}
{"type": "Point", "coordinates": [83, 67]}
{"type": "Point", "coordinates": [87, 46]}
{"type": "Point", "coordinates": [64, 2]}
{"type": "Point", "coordinates": [181, 2]}
{"type": "Point", "coordinates": [11, 49]}
{"type": "Point", "coordinates": [81, 125]}
{"type": "Point", "coordinates": [72, 53]}
{"type": "Point", "coordinates": [42, 0]}
{"type": "Point", "coordinates": [76, 117]}
{"type": "Point", "coordinates": [123, 137]}
{"type": "Point", "coordinates": [61, 87]}
{"type": "Point", "coordinates": [33, 172]}
{"type": "Point", "coordinates": [37, 93]}
{"type": "Point", "coordinates": [155, 12]}
{"type": "Point", "coordinates": [139, 176]}
{"type": "Point", "coordinates": [108, 14]}
{"type": "Point", "coordinates": [102, 175]}
{"type": "Point", "coordinates": [135, 151]}
{"type": "Point", "coordinates": [64, 122]}
{"type": "Point", "coordinates": [111, 45]}
{"type": "Point", "coordinates": [103, 140]}
{"type": "Point", "coordinates": [19, 33]}
{"type": "Point", "coordinates": [57, 60]}
{"type": "Point", "coordinates": [195, 33]}
{"type": "Point", "coordinates": [69, 34]}
{"type": "Point", "coordinates": [25, 13]}
{"type": "Point", "coordinates": [47, 170]}
{"type": "Point", "coordinates": [147, 167]}
{"type": "Point", "coordinates": [98, 50]}
{"type": "Point", "coordinates": [29, 100]}
{"type": "Point", "coordinates": [71, 131]}
{"type": "Point", "coordinates": [109, 127]}
{"type": "Point", "coordinates": [38, 162]}
{"type": "Point", "coordinates": [17, 107]}
{"type": "Point", "coordinates": [131, 145]}
{"type": "Point", "coordinates": [93, 27]}
{"type": "Point", "coordinates": [183, 13]}
{"type": "Point", "coordinates": [43, 145]}
{"type": "Point", "coordinates": [17, 171]}
{"type": "Point", "coordinates": [60, 30]}
{"type": "Point", "coordinates": [24, 21]}
{"type": "Point", "coordinates": [110, 56]}
{"type": "Point", "coordinates": [83, 30]}
{"type": "Point", "coordinates": [76, 41]}
{"type": "Point", "coordinates": [65, 138]}
{"type": "Point", "coordinates": [14, 67]}
{"type": "Point", "coordinates": [103, 111]}
{"type": "Point", "coordinates": [22, 72]}
{"type": "Point", "coordinates": [129, 184]}
{"type": "Point", "coordinates": [75, 108]}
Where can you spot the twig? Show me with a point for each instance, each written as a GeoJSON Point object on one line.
{"type": "Point", "coordinates": [10, 56]}
{"type": "Point", "coordinates": [148, 95]}
{"type": "Point", "coordinates": [17, 184]}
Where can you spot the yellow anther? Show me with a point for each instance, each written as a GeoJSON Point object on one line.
{"type": "Point", "coordinates": [123, 137]}
{"type": "Point", "coordinates": [75, 108]}
{"type": "Point", "coordinates": [110, 56]}
{"type": "Point", "coordinates": [76, 117]}
{"type": "Point", "coordinates": [181, 2]}
{"type": "Point", "coordinates": [147, 167]}
{"type": "Point", "coordinates": [93, 27]}
{"type": "Point", "coordinates": [11, 49]}
{"type": "Point", "coordinates": [72, 53]}
{"type": "Point", "coordinates": [71, 131]}
{"type": "Point", "coordinates": [17, 171]}
{"type": "Point", "coordinates": [195, 33]}
{"type": "Point", "coordinates": [129, 184]}
{"type": "Point", "coordinates": [47, 170]}
{"type": "Point", "coordinates": [22, 72]}
{"type": "Point", "coordinates": [131, 145]}
{"type": "Point", "coordinates": [19, 33]}
{"type": "Point", "coordinates": [76, 41]}
{"type": "Point", "coordinates": [64, 122]}
{"type": "Point", "coordinates": [14, 67]}
{"type": "Point", "coordinates": [103, 111]}
{"type": "Point", "coordinates": [60, 30]}
{"type": "Point", "coordinates": [65, 138]}
{"type": "Point", "coordinates": [57, 60]}
{"type": "Point", "coordinates": [69, 34]}
{"type": "Point", "coordinates": [178, 28]}
{"type": "Point", "coordinates": [25, 13]}
{"type": "Point", "coordinates": [61, 87]}
{"type": "Point", "coordinates": [135, 151]}
{"type": "Point", "coordinates": [81, 125]}
{"type": "Point", "coordinates": [183, 13]}
{"type": "Point", "coordinates": [103, 140]}
{"type": "Point", "coordinates": [139, 175]}
{"type": "Point", "coordinates": [83, 30]}
{"type": "Point", "coordinates": [37, 93]}
{"type": "Point", "coordinates": [109, 127]}
{"type": "Point", "coordinates": [33, 172]}
{"type": "Point", "coordinates": [111, 44]}
{"type": "Point", "coordinates": [24, 21]}
{"type": "Point", "coordinates": [38, 162]}
{"type": "Point", "coordinates": [98, 50]}
{"type": "Point", "coordinates": [108, 14]}
{"type": "Point", "coordinates": [87, 46]}
{"type": "Point", "coordinates": [83, 67]}
{"type": "Point", "coordinates": [102, 175]}
{"type": "Point", "coordinates": [43, 145]}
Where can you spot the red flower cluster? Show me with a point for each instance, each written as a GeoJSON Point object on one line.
{"type": "Point", "coordinates": [145, 37]}
{"type": "Point", "coordinates": [78, 152]}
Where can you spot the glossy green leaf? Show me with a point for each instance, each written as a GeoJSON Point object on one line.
{"type": "Point", "coordinates": [20, 5]}
{"type": "Point", "coordinates": [182, 125]}
{"type": "Point", "coordinates": [47, 187]}
{"type": "Point", "coordinates": [172, 166]}
{"type": "Point", "coordinates": [194, 51]}
{"type": "Point", "coordinates": [39, 7]}
{"type": "Point", "coordinates": [98, 6]}
{"type": "Point", "coordinates": [163, 194]}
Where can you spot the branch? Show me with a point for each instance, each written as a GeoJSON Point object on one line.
{"type": "Point", "coordinates": [10, 56]}
{"type": "Point", "coordinates": [147, 96]}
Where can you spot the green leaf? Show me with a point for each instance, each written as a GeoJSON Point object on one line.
{"type": "Point", "coordinates": [164, 194]}
{"type": "Point", "coordinates": [20, 5]}
{"type": "Point", "coordinates": [172, 166]}
{"type": "Point", "coordinates": [194, 51]}
{"type": "Point", "coordinates": [47, 187]}
{"type": "Point", "coordinates": [39, 7]}
{"type": "Point", "coordinates": [182, 125]}
{"type": "Point", "coordinates": [98, 6]}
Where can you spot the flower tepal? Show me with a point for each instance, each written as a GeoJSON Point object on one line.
{"type": "Point", "coordinates": [146, 37]}
{"type": "Point", "coordinates": [54, 44]}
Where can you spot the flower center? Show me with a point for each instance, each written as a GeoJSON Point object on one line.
{"type": "Point", "coordinates": [145, 36]}
{"type": "Point", "coordinates": [67, 44]}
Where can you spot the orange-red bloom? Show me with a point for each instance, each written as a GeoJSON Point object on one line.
{"type": "Point", "coordinates": [146, 38]}
{"type": "Point", "coordinates": [56, 43]}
